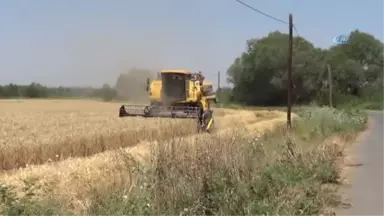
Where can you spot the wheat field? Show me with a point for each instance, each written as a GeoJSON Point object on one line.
{"type": "Point", "coordinates": [38, 131]}
{"type": "Point", "coordinates": [73, 146]}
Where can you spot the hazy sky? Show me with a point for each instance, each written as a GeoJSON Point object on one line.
{"type": "Point", "coordinates": [89, 42]}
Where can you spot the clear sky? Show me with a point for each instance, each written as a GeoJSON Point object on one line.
{"type": "Point", "coordinates": [89, 42]}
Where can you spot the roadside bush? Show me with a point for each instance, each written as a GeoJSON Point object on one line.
{"type": "Point", "coordinates": [243, 174]}
{"type": "Point", "coordinates": [321, 122]}
{"type": "Point", "coordinates": [26, 201]}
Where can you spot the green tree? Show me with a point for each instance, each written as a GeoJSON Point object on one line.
{"type": "Point", "coordinates": [107, 93]}
{"type": "Point", "coordinates": [225, 95]}
{"type": "Point", "coordinates": [259, 75]}
{"type": "Point", "coordinates": [364, 48]}
{"type": "Point", "coordinates": [12, 90]}
{"type": "Point", "coordinates": [35, 90]}
{"type": "Point", "coordinates": [357, 66]}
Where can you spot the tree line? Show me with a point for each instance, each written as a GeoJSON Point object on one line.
{"type": "Point", "coordinates": [36, 90]}
{"type": "Point", "coordinates": [259, 75]}
{"type": "Point", "coordinates": [129, 86]}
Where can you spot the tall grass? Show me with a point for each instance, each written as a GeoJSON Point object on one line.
{"type": "Point", "coordinates": [247, 174]}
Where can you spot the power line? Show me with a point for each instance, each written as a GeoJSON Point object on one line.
{"type": "Point", "coordinates": [260, 12]}
{"type": "Point", "coordinates": [290, 59]}
{"type": "Point", "coordinates": [295, 29]}
{"type": "Point", "coordinates": [269, 16]}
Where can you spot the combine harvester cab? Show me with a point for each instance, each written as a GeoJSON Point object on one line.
{"type": "Point", "coordinates": [177, 94]}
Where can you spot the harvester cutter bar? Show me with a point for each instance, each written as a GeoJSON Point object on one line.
{"type": "Point", "coordinates": [159, 111]}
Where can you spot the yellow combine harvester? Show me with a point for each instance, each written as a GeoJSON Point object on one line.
{"type": "Point", "coordinates": [177, 94]}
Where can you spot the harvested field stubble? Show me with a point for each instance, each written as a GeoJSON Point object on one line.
{"type": "Point", "coordinates": [39, 131]}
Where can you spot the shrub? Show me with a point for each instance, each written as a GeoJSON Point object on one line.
{"type": "Point", "coordinates": [26, 202]}
{"type": "Point", "coordinates": [245, 175]}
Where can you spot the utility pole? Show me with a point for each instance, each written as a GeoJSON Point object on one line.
{"type": "Point", "coordinates": [218, 88]}
{"type": "Point", "coordinates": [330, 85]}
{"type": "Point", "coordinates": [289, 96]}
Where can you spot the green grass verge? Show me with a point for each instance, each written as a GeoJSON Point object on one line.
{"type": "Point", "coordinates": [246, 174]}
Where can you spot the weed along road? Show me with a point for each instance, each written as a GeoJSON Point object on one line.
{"type": "Point", "coordinates": [366, 192]}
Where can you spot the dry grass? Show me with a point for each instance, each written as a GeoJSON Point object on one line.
{"type": "Point", "coordinates": [71, 128]}
{"type": "Point", "coordinates": [233, 170]}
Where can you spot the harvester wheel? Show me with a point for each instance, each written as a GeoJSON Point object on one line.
{"type": "Point", "coordinates": [122, 111]}
{"type": "Point", "coordinates": [173, 114]}
{"type": "Point", "coordinates": [147, 111]}
{"type": "Point", "coordinates": [208, 121]}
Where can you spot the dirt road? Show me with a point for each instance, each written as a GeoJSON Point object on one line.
{"type": "Point", "coordinates": [366, 192]}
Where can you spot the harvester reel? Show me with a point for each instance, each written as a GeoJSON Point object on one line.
{"type": "Point", "coordinates": [205, 119]}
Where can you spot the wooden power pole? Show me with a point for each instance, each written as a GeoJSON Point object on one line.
{"type": "Point", "coordinates": [290, 85]}
{"type": "Point", "coordinates": [330, 85]}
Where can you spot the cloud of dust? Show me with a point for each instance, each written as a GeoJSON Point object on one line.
{"type": "Point", "coordinates": [131, 86]}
